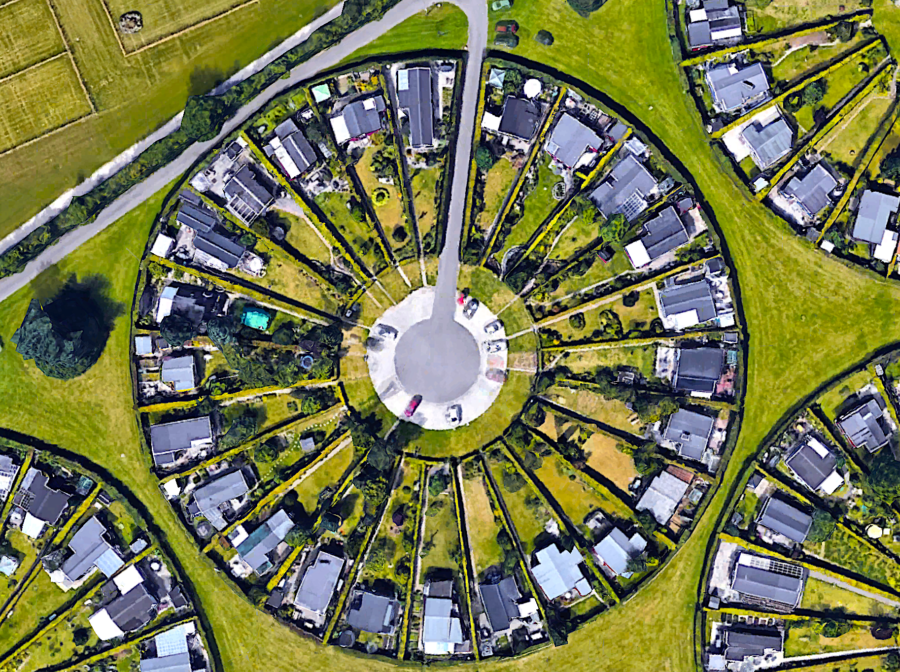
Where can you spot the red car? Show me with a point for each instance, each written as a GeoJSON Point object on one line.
{"type": "Point", "coordinates": [413, 405]}
{"type": "Point", "coordinates": [506, 27]}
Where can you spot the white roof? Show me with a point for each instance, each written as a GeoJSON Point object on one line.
{"type": "Point", "coordinates": [698, 15]}
{"type": "Point", "coordinates": [817, 446]}
{"type": "Point", "coordinates": [685, 320]}
{"type": "Point", "coordinates": [532, 88]}
{"type": "Point", "coordinates": [884, 251]}
{"type": "Point", "coordinates": [238, 535]}
{"type": "Point", "coordinates": [166, 299]}
{"type": "Point", "coordinates": [32, 527]}
{"type": "Point", "coordinates": [637, 253]}
{"type": "Point", "coordinates": [490, 122]}
{"type": "Point", "coordinates": [832, 483]}
{"type": "Point", "coordinates": [128, 579]}
{"type": "Point", "coordinates": [143, 345]}
{"type": "Point", "coordinates": [284, 158]}
{"type": "Point", "coordinates": [339, 126]}
{"type": "Point", "coordinates": [104, 627]}
{"type": "Point", "coordinates": [827, 245]}
{"type": "Point", "coordinates": [162, 246]}
{"type": "Point", "coordinates": [171, 488]}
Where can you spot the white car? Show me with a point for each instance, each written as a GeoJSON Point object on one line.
{"type": "Point", "coordinates": [495, 346]}
{"type": "Point", "coordinates": [454, 414]}
{"type": "Point", "coordinates": [493, 327]}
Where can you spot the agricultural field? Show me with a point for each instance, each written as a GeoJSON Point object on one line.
{"type": "Point", "coordinates": [28, 35]}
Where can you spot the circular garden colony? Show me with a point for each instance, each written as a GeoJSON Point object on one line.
{"type": "Point", "coordinates": [427, 450]}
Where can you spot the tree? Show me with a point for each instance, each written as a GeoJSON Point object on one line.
{"type": "Point", "coordinates": [64, 338]}
{"type": "Point", "coordinates": [890, 166]}
{"type": "Point", "coordinates": [177, 329]}
{"type": "Point", "coordinates": [814, 92]}
{"type": "Point", "coordinates": [513, 481]}
{"type": "Point", "coordinates": [830, 628]}
{"type": "Point", "coordinates": [484, 158]}
{"type": "Point", "coordinates": [636, 565]}
{"type": "Point", "coordinates": [843, 31]}
{"type": "Point", "coordinates": [577, 321]}
{"type": "Point", "coordinates": [512, 81]}
{"type": "Point", "coordinates": [80, 636]}
{"type": "Point", "coordinates": [884, 477]}
{"type": "Point", "coordinates": [614, 229]}
{"type": "Point", "coordinates": [242, 428]}
{"type": "Point", "coordinates": [438, 483]}
{"type": "Point", "coordinates": [267, 452]}
{"type": "Point", "coordinates": [545, 37]}
{"type": "Point", "coordinates": [891, 662]}
{"type": "Point", "coordinates": [203, 117]}
{"type": "Point", "coordinates": [399, 234]}
{"type": "Point", "coordinates": [222, 330]}
{"type": "Point", "coordinates": [297, 537]}
{"type": "Point", "coordinates": [584, 8]}
{"type": "Point", "coordinates": [822, 527]}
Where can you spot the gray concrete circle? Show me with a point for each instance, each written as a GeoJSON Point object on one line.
{"type": "Point", "coordinates": [438, 359]}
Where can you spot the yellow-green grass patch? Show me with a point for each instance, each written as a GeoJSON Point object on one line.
{"type": "Point", "coordinates": [440, 547]}
{"type": "Point", "coordinates": [787, 67]}
{"type": "Point", "coordinates": [28, 35]}
{"type": "Point", "coordinates": [642, 358]}
{"type": "Point", "coordinates": [781, 14]}
{"type": "Point", "coordinates": [361, 236]}
{"type": "Point", "coordinates": [40, 100]}
{"type": "Point", "coordinates": [327, 474]}
{"type": "Point", "coordinates": [610, 412]}
{"type": "Point", "coordinates": [599, 271]}
{"type": "Point", "coordinates": [845, 550]}
{"type": "Point", "coordinates": [605, 459]}
{"type": "Point", "coordinates": [303, 237]}
{"type": "Point", "coordinates": [481, 526]}
{"type": "Point", "coordinates": [801, 639]}
{"type": "Point", "coordinates": [835, 398]}
{"type": "Point", "coordinates": [846, 144]}
{"type": "Point", "coordinates": [820, 595]}
{"type": "Point", "coordinates": [284, 276]}
{"type": "Point", "coordinates": [424, 198]}
{"type": "Point", "coordinates": [389, 211]}
{"type": "Point", "coordinates": [497, 184]}
{"type": "Point", "coordinates": [529, 515]}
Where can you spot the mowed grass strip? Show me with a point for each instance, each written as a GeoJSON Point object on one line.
{"type": "Point", "coordinates": [38, 101]}
{"type": "Point", "coordinates": [163, 18]}
{"type": "Point", "coordinates": [27, 35]}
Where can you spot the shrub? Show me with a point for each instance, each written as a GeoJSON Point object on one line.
{"type": "Point", "coordinates": [438, 483]}
{"type": "Point", "coordinates": [381, 196]}
{"type": "Point", "coordinates": [399, 234]}
{"type": "Point", "coordinates": [80, 636]}
{"type": "Point", "coordinates": [203, 117]}
{"type": "Point", "coordinates": [584, 8]}
{"type": "Point", "coordinates": [631, 299]}
{"type": "Point", "coordinates": [577, 321]}
{"type": "Point", "coordinates": [241, 429]}
{"type": "Point", "coordinates": [814, 92]}
{"type": "Point", "coordinates": [890, 166]}
{"type": "Point", "coordinates": [614, 229]}
{"type": "Point", "coordinates": [177, 329]}
{"type": "Point", "coordinates": [532, 460]}
{"type": "Point", "coordinates": [843, 31]}
{"type": "Point", "coordinates": [484, 158]}
{"type": "Point", "coordinates": [545, 37]}
{"type": "Point", "coordinates": [793, 103]}
{"type": "Point", "coordinates": [513, 481]}
{"type": "Point", "coordinates": [822, 527]}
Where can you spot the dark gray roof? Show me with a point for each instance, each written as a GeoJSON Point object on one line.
{"type": "Point", "coordinates": [663, 233]}
{"type": "Point", "coordinates": [520, 118]}
{"type": "Point", "coordinates": [812, 190]}
{"type": "Point", "coordinates": [625, 190]}
{"type": "Point", "coordinates": [875, 209]}
{"type": "Point", "coordinates": [439, 589]}
{"type": "Point", "coordinates": [295, 144]}
{"type": "Point", "coordinates": [38, 499]}
{"type": "Point", "coordinates": [744, 642]}
{"type": "Point", "coordinates": [414, 94]}
{"type": "Point", "coordinates": [220, 247]}
{"type": "Point", "coordinates": [168, 439]}
{"type": "Point", "coordinates": [196, 217]}
{"type": "Point", "coordinates": [133, 610]}
{"type": "Point", "coordinates": [767, 585]}
{"type": "Point", "coordinates": [317, 587]}
{"type": "Point", "coordinates": [699, 35]}
{"type": "Point", "coordinates": [244, 192]}
{"type": "Point", "coordinates": [617, 131]}
{"type": "Point", "coordinates": [570, 139]}
{"type": "Point", "coordinates": [211, 495]}
{"type": "Point", "coordinates": [784, 519]}
{"type": "Point", "coordinates": [677, 299]}
{"type": "Point", "coordinates": [373, 613]}
{"type": "Point", "coordinates": [770, 142]}
{"type": "Point", "coordinates": [255, 549]}
{"type": "Point", "coordinates": [699, 369]}
{"type": "Point", "coordinates": [89, 548]}
{"type": "Point", "coordinates": [863, 426]}
{"type": "Point", "coordinates": [180, 662]}
{"type": "Point", "coordinates": [363, 117]}
{"type": "Point", "coordinates": [690, 432]}
{"type": "Point", "coordinates": [810, 466]}
{"type": "Point", "coordinates": [733, 86]}
{"type": "Point", "coordinates": [500, 602]}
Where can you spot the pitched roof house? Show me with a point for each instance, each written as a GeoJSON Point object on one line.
{"type": "Point", "coordinates": [714, 22]}
{"type": "Point", "coordinates": [814, 466]}
{"type": "Point", "coordinates": [663, 496]}
{"type": "Point", "coordinates": [8, 472]}
{"type": "Point", "coordinates": [441, 630]}
{"type": "Point", "coordinates": [686, 305]}
{"type": "Point", "coordinates": [373, 613]}
{"type": "Point", "coordinates": [660, 235]}
{"type": "Point", "coordinates": [768, 142]}
{"type": "Point", "coordinates": [255, 550]}
{"type": "Point", "coordinates": [246, 197]}
{"type": "Point", "coordinates": [520, 118]}
{"type": "Point", "coordinates": [291, 149]}
{"type": "Point", "coordinates": [210, 496]}
{"type": "Point", "coordinates": [218, 251]}
{"type": "Point", "coordinates": [689, 432]}
{"type": "Point", "coordinates": [699, 369]}
{"type": "Point", "coordinates": [170, 439]}
{"type": "Point", "coordinates": [782, 518]}
{"type": "Point", "coordinates": [865, 426]}
{"type": "Point", "coordinates": [42, 505]}
{"type": "Point", "coordinates": [625, 190]}
{"type": "Point", "coordinates": [358, 119]}
{"type": "Point", "coordinates": [318, 586]}
{"type": "Point", "coordinates": [416, 99]}
{"type": "Point", "coordinates": [615, 550]}
{"type": "Point", "coordinates": [772, 582]}
{"type": "Point", "coordinates": [875, 211]}
{"type": "Point", "coordinates": [743, 643]}
{"type": "Point", "coordinates": [90, 549]}
{"type": "Point", "coordinates": [558, 572]}
{"type": "Point", "coordinates": [812, 190]}
{"type": "Point", "coordinates": [196, 217]}
{"type": "Point", "coordinates": [501, 603]}
{"type": "Point", "coordinates": [735, 86]}
{"type": "Point", "coordinates": [570, 140]}
{"type": "Point", "coordinates": [179, 372]}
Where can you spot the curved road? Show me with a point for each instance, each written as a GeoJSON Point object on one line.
{"type": "Point", "coordinates": [476, 13]}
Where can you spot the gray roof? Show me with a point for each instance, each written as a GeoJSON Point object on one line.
{"type": "Point", "coordinates": [663, 496]}
{"type": "Point", "coordinates": [180, 372]}
{"type": "Point", "coordinates": [220, 247]}
{"type": "Point", "coordinates": [699, 35]}
{"type": "Point", "coordinates": [362, 117]}
{"type": "Point", "coordinates": [212, 494]}
{"type": "Point", "coordinates": [699, 369]}
{"type": "Point", "coordinates": [862, 427]}
{"type": "Point", "coordinates": [41, 501]}
{"type": "Point", "coordinates": [617, 131]}
{"type": "Point", "coordinates": [767, 585]}
{"type": "Point", "coordinates": [784, 519]}
{"type": "Point", "coordinates": [663, 233]}
{"type": "Point", "coordinates": [625, 190]}
{"type": "Point", "coordinates": [90, 549]}
{"type": "Point", "coordinates": [414, 94]}
{"type": "Point", "coordinates": [812, 190]}
{"type": "Point", "coordinates": [438, 625]}
{"type": "Point", "coordinates": [770, 142]}
{"type": "Point", "coordinates": [744, 643]}
{"type": "Point", "coordinates": [255, 549]}
{"type": "Point", "coordinates": [558, 572]}
{"type": "Point", "coordinates": [295, 144]}
{"type": "Point", "coordinates": [570, 139]}
{"type": "Point", "coordinates": [677, 299]}
{"type": "Point", "coordinates": [520, 118]}
{"type": "Point", "coordinates": [690, 432]}
{"type": "Point", "coordinates": [374, 613]}
{"type": "Point", "coordinates": [246, 193]}
{"type": "Point", "coordinates": [133, 610]}
{"type": "Point", "coordinates": [500, 602]}
{"type": "Point", "coordinates": [811, 467]}
{"type": "Point", "coordinates": [196, 217]}
{"type": "Point", "coordinates": [875, 209]}
{"type": "Point", "coordinates": [319, 581]}
{"type": "Point", "coordinates": [168, 439]}
{"type": "Point", "coordinates": [180, 662]}
{"type": "Point", "coordinates": [733, 86]}
{"type": "Point", "coordinates": [616, 549]}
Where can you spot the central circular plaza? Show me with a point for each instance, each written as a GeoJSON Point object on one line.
{"type": "Point", "coordinates": [438, 359]}
{"type": "Point", "coordinates": [438, 371]}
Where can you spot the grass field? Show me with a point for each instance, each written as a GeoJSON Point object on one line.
{"type": "Point", "coordinates": [529, 522]}
{"type": "Point", "coordinates": [440, 547]}
{"type": "Point", "coordinates": [846, 143]}
{"type": "Point", "coordinates": [424, 184]}
{"type": "Point", "coordinates": [642, 358]}
{"type": "Point", "coordinates": [779, 14]}
{"type": "Point", "coordinates": [821, 596]}
{"type": "Point", "coordinates": [40, 100]}
{"type": "Point", "coordinates": [788, 67]}
{"type": "Point", "coordinates": [802, 640]}
{"type": "Point", "coordinates": [481, 526]}
{"type": "Point", "coordinates": [497, 184]}
{"type": "Point", "coordinates": [28, 35]}
{"type": "Point", "coordinates": [603, 457]}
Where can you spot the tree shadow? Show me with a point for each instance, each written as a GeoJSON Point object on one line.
{"type": "Point", "coordinates": [203, 80]}
{"type": "Point", "coordinates": [91, 293]}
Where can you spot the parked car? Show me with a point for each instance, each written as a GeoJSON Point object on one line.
{"type": "Point", "coordinates": [454, 413]}
{"type": "Point", "coordinates": [495, 346]}
{"type": "Point", "coordinates": [498, 5]}
{"type": "Point", "coordinates": [493, 327]}
{"type": "Point", "coordinates": [413, 405]}
{"type": "Point", "coordinates": [386, 330]}
{"type": "Point", "coordinates": [506, 40]}
{"type": "Point", "coordinates": [497, 375]}
{"type": "Point", "coordinates": [507, 26]}
{"type": "Point", "coordinates": [471, 307]}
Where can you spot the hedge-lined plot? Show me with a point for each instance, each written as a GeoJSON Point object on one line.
{"type": "Point", "coordinates": [28, 35]}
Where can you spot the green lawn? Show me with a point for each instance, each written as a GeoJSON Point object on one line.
{"type": "Point", "coordinates": [497, 184]}
{"type": "Point", "coordinates": [440, 547]}
{"type": "Point", "coordinates": [424, 184]}
{"type": "Point", "coordinates": [576, 233]}
{"type": "Point", "coordinates": [821, 596]}
{"type": "Point", "coordinates": [327, 474]}
{"type": "Point", "coordinates": [847, 143]}
{"type": "Point", "coordinates": [528, 514]}
{"type": "Point", "coordinates": [845, 550]}
{"type": "Point", "coordinates": [302, 236]}
{"type": "Point", "coordinates": [768, 17]}
{"type": "Point", "coordinates": [481, 525]}
{"type": "Point", "coordinates": [283, 275]}
{"type": "Point", "coordinates": [610, 412]}
{"type": "Point", "coordinates": [835, 399]}
{"type": "Point", "coordinates": [789, 67]}
{"type": "Point", "coordinates": [802, 640]}
{"type": "Point", "coordinates": [390, 211]}
{"type": "Point", "coordinates": [642, 358]}
{"type": "Point", "coordinates": [599, 271]}
{"type": "Point", "coordinates": [359, 235]}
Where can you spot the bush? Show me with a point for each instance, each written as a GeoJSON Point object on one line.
{"type": "Point", "coordinates": [793, 103]}
{"type": "Point", "coordinates": [884, 477]}
{"type": "Point", "coordinates": [484, 158]}
{"type": "Point", "coordinates": [241, 429]}
{"type": "Point", "coordinates": [814, 92]}
{"type": "Point", "coordinates": [614, 229]}
{"type": "Point", "coordinates": [631, 299]}
{"type": "Point", "coordinates": [177, 329]}
{"type": "Point", "coordinates": [438, 483]}
{"type": "Point", "coordinates": [843, 31]}
{"type": "Point", "coordinates": [399, 234]}
{"type": "Point", "coordinates": [532, 460]}
{"type": "Point", "coordinates": [822, 527]}
{"type": "Point", "coordinates": [584, 8]}
{"type": "Point", "coordinates": [890, 166]}
{"type": "Point", "coordinates": [545, 37]}
{"type": "Point", "coordinates": [831, 629]}
{"type": "Point", "coordinates": [513, 481]}
{"type": "Point", "coordinates": [577, 321]}
{"type": "Point", "coordinates": [204, 117]}
{"type": "Point", "coordinates": [80, 636]}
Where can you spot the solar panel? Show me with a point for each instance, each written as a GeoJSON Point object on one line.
{"type": "Point", "coordinates": [171, 642]}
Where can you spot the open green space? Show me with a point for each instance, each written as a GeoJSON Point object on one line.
{"type": "Point", "coordinates": [575, 284]}
{"type": "Point", "coordinates": [440, 548]}
{"type": "Point", "coordinates": [327, 474]}
{"type": "Point", "coordinates": [845, 550]}
{"type": "Point", "coordinates": [790, 61]}
{"type": "Point", "coordinates": [424, 185]}
{"type": "Point", "coordinates": [611, 412]}
{"type": "Point", "coordinates": [386, 199]}
{"type": "Point", "coordinates": [358, 233]}
{"type": "Point", "coordinates": [847, 142]}
{"type": "Point", "coordinates": [28, 35]}
{"type": "Point", "coordinates": [497, 183]}
{"type": "Point", "coordinates": [803, 639]}
{"type": "Point", "coordinates": [837, 397]}
{"type": "Point", "coordinates": [529, 515]}
{"type": "Point", "coordinates": [769, 16]}
{"type": "Point", "coordinates": [481, 525]}
{"type": "Point", "coordinates": [642, 358]}
{"type": "Point", "coordinates": [820, 595]}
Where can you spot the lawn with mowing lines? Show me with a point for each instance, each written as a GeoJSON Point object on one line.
{"type": "Point", "coordinates": [28, 35]}
{"type": "Point", "coordinates": [642, 358]}
{"type": "Point", "coordinates": [820, 595]}
{"type": "Point", "coordinates": [529, 515]}
{"type": "Point", "coordinates": [40, 100]}
{"type": "Point", "coordinates": [802, 640]}
{"type": "Point", "coordinates": [769, 17]}
{"type": "Point", "coordinates": [481, 525]}
{"type": "Point", "coordinates": [604, 458]}
{"type": "Point", "coordinates": [497, 183]}
{"type": "Point", "coordinates": [847, 144]}
{"type": "Point", "coordinates": [610, 412]}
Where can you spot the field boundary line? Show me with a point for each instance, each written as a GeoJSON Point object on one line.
{"type": "Point", "coordinates": [183, 31]}
{"type": "Point", "coordinates": [112, 25]}
{"type": "Point", "coordinates": [62, 35]}
{"type": "Point", "coordinates": [43, 135]}
{"type": "Point", "coordinates": [6, 78]}
{"type": "Point", "coordinates": [11, 2]}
